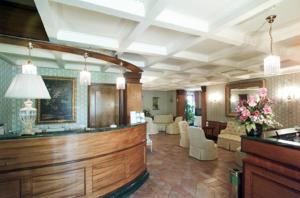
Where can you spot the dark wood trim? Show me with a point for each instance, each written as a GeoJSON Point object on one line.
{"type": "Point", "coordinates": [239, 85]}
{"type": "Point", "coordinates": [132, 77]}
{"type": "Point", "coordinates": [64, 48]}
{"type": "Point", "coordinates": [122, 115]}
{"type": "Point", "coordinates": [203, 105]}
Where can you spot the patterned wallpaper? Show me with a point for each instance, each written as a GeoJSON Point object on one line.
{"type": "Point", "coordinates": [6, 75]}
{"type": "Point", "coordinates": [11, 106]}
{"type": "Point", "coordinates": [286, 112]}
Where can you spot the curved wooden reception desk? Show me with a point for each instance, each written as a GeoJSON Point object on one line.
{"type": "Point", "coordinates": [74, 164]}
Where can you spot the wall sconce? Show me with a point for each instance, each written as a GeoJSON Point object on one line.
{"type": "Point", "coordinates": [289, 93]}
{"type": "Point", "coordinates": [214, 97]}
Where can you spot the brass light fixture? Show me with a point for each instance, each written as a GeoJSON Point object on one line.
{"type": "Point", "coordinates": [272, 62]}
{"type": "Point", "coordinates": [85, 75]}
{"type": "Point", "coordinates": [29, 68]}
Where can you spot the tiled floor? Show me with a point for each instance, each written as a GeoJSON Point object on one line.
{"type": "Point", "coordinates": [174, 174]}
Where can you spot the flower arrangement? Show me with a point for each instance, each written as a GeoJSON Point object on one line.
{"type": "Point", "coordinates": [257, 112]}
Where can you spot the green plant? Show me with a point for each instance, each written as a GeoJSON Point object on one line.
{"type": "Point", "coordinates": [189, 112]}
{"type": "Point", "coordinates": [147, 112]}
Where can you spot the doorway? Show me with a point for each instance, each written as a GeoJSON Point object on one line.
{"type": "Point", "coordinates": [103, 108]}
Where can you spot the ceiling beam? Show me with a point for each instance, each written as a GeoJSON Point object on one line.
{"type": "Point", "coordinates": [154, 8]}
{"type": "Point", "coordinates": [48, 19]}
{"type": "Point", "coordinates": [100, 9]}
{"type": "Point", "coordinates": [242, 14]}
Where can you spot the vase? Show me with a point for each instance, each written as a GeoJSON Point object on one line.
{"type": "Point", "coordinates": [257, 132]}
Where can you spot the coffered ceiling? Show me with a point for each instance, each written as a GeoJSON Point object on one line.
{"type": "Point", "coordinates": [180, 44]}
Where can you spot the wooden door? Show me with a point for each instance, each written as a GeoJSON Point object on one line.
{"type": "Point", "coordinates": [103, 105]}
{"type": "Point", "coordinates": [180, 102]}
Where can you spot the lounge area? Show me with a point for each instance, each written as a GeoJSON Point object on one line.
{"type": "Point", "coordinates": [149, 98]}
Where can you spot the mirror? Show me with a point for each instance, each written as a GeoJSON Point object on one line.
{"type": "Point", "coordinates": [239, 91]}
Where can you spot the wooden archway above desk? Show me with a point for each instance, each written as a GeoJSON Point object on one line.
{"type": "Point", "coordinates": [68, 49]}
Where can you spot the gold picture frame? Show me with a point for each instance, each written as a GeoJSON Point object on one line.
{"type": "Point", "coordinates": [61, 108]}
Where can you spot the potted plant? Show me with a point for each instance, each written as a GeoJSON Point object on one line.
{"type": "Point", "coordinates": [147, 112]}
{"type": "Point", "coordinates": [189, 113]}
{"type": "Point", "coordinates": [256, 113]}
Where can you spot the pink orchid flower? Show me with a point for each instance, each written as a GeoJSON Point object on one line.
{"type": "Point", "coordinates": [262, 92]}
{"type": "Point", "coordinates": [246, 113]}
{"type": "Point", "coordinates": [267, 109]}
{"type": "Point", "coordinates": [252, 101]}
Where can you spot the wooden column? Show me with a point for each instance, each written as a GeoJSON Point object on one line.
{"type": "Point", "coordinates": [132, 95]}
{"type": "Point", "coordinates": [197, 95]}
{"type": "Point", "coordinates": [180, 102]}
{"type": "Point", "coordinates": [122, 119]}
{"type": "Point", "coordinates": [203, 105]}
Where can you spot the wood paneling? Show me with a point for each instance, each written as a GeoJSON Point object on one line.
{"type": "Point", "coordinates": [203, 105]}
{"type": "Point", "coordinates": [64, 184]}
{"type": "Point", "coordinates": [22, 21]}
{"type": "Point", "coordinates": [180, 102]}
{"type": "Point", "coordinates": [270, 170]}
{"type": "Point", "coordinates": [10, 189]}
{"type": "Point", "coordinates": [108, 171]}
{"type": "Point", "coordinates": [90, 165]}
{"type": "Point", "coordinates": [103, 105]}
{"type": "Point", "coordinates": [133, 98]}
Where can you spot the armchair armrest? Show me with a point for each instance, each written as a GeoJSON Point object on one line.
{"type": "Point", "coordinates": [209, 144]}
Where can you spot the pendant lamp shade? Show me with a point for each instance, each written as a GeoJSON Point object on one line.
{"type": "Point", "coordinates": [29, 68]}
{"type": "Point", "coordinates": [120, 83]}
{"type": "Point", "coordinates": [85, 77]}
{"type": "Point", "coordinates": [272, 64]}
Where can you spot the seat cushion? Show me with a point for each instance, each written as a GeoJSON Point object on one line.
{"type": "Point", "coordinates": [230, 137]}
{"type": "Point", "coordinates": [163, 119]}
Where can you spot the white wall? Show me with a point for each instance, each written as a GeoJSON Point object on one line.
{"type": "Point", "coordinates": [166, 102]}
{"type": "Point", "coordinates": [286, 112]}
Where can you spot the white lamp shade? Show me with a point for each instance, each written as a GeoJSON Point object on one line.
{"type": "Point", "coordinates": [29, 68]}
{"type": "Point", "coordinates": [27, 86]}
{"type": "Point", "coordinates": [272, 64]}
{"type": "Point", "coordinates": [85, 77]}
{"type": "Point", "coordinates": [120, 83]}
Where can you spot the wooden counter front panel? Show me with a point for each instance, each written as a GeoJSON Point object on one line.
{"type": "Point", "coordinates": [26, 153]}
{"type": "Point", "coordinates": [270, 170]}
{"type": "Point", "coordinates": [64, 184]}
{"type": "Point", "coordinates": [91, 177]}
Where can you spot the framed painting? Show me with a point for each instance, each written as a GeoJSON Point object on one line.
{"type": "Point", "coordinates": [155, 103]}
{"type": "Point", "coordinates": [61, 107]}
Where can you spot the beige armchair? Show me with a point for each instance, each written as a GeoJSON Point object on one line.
{"type": "Point", "coordinates": [230, 137]}
{"type": "Point", "coordinates": [184, 134]}
{"type": "Point", "coordinates": [151, 127]}
{"type": "Point", "coordinates": [200, 147]}
{"type": "Point", "coordinates": [174, 128]}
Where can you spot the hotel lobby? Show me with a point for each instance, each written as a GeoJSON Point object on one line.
{"type": "Point", "coordinates": [149, 98]}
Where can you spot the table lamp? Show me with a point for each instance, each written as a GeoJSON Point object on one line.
{"type": "Point", "coordinates": [27, 86]}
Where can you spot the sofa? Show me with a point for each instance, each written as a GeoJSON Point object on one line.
{"type": "Point", "coordinates": [230, 137]}
{"type": "Point", "coordinates": [173, 128]}
{"type": "Point", "coordinates": [162, 121]}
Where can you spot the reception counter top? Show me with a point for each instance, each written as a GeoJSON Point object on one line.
{"type": "Point", "coordinates": [66, 132]}
{"type": "Point", "coordinates": [271, 166]}
{"type": "Point", "coordinates": [94, 163]}
{"type": "Point", "coordinates": [277, 137]}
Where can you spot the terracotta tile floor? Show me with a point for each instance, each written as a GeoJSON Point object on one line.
{"type": "Point", "coordinates": [174, 174]}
